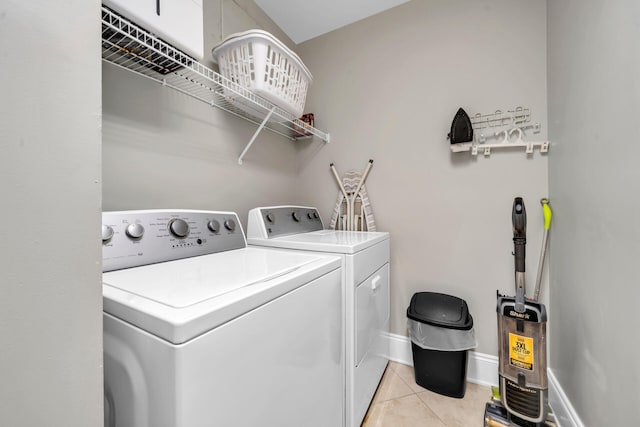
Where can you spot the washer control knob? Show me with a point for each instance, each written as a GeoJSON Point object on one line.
{"type": "Point", "coordinates": [295, 216]}
{"type": "Point", "coordinates": [179, 227]}
{"type": "Point", "coordinates": [107, 233]}
{"type": "Point", "coordinates": [310, 215]}
{"type": "Point", "coordinates": [315, 215]}
{"type": "Point", "coordinates": [230, 224]}
{"type": "Point", "coordinates": [270, 217]}
{"type": "Point", "coordinates": [135, 231]}
{"type": "Point", "coordinates": [213, 226]}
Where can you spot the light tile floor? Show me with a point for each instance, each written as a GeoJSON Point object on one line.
{"type": "Point", "coordinates": [400, 402]}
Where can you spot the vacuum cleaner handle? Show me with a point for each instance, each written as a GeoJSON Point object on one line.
{"type": "Point", "coordinates": [519, 220]}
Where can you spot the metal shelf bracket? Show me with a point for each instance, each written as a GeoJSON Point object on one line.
{"type": "Point", "coordinates": [255, 135]}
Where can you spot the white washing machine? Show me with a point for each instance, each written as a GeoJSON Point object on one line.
{"type": "Point", "coordinates": [201, 330]}
{"type": "Point", "coordinates": [365, 261]}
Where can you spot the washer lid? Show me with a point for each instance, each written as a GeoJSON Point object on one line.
{"type": "Point", "coordinates": [181, 299]}
{"type": "Point", "coordinates": [334, 241]}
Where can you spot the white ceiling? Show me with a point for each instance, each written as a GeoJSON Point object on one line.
{"type": "Point", "coordinates": [302, 20]}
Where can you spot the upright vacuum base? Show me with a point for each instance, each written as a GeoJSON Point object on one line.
{"type": "Point", "coordinates": [495, 415]}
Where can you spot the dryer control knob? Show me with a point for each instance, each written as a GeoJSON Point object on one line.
{"type": "Point", "coordinates": [310, 215]}
{"type": "Point", "coordinates": [134, 231]}
{"type": "Point", "coordinates": [230, 224]}
{"type": "Point", "coordinates": [107, 233]}
{"type": "Point", "coordinates": [179, 227]}
{"type": "Point", "coordinates": [270, 217]}
{"type": "Point", "coordinates": [213, 226]}
{"type": "Point", "coordinates": [295, 216]}
{"type": "Point", "coordinates": [315, 215]}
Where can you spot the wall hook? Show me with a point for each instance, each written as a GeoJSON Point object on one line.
{"type": "Point", "coordinates": [519, 140]}
{"type": "Point", "coordinates": [505, 138]}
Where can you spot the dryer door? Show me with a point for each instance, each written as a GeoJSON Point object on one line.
{"type": "Point", "coordinates": [372, 312]}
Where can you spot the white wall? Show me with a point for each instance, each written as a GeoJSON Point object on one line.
{"type": "Point", "coordinates": [163, 149]}
{"type": "Point", "coordinates": [387, 88]}
{"type": "Point", "coordinates": [594, 104]}
{"type": "Point", "coordinates": [50, 290]}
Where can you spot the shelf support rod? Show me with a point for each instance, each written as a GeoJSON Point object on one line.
{"type": "Point", "coordinates": [255, 135]}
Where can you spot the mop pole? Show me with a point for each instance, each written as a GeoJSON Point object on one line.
{"type": "Point", "coordinates": [546, 212]}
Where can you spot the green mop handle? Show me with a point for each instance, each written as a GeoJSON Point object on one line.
{"type": "Point", "coordinates": [546, 212]}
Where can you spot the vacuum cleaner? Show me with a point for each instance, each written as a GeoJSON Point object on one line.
{"type": "Point", "coordinates": [522, 334]}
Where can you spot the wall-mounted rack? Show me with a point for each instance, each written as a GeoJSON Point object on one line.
{"type": "Point", "coordinates": [486, 148]}
{"type": "Point", "coordinates": [130, 47]}
{"type": "Point", "coordinates": [513, 121]}
{"type": "Point", "coordinates": [515, 117]}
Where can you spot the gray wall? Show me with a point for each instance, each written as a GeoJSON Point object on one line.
{"type": "Point", "coordinates": [163, 149]}
{"type": "Point", "coordinates": [50, 290]}
{"type": "Point", "coordinates": [594, 103]}
{"type": "Point", "coordinates": [387, 88]}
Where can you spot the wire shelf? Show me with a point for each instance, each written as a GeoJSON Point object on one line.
{"type": "Point", "coordinates": [128, 46]}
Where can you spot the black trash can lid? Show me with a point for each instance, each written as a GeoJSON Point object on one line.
{"type": "Point", "coordinates": [441, 310]}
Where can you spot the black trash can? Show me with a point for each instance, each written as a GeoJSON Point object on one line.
{"type": "Point", "coordinates": [441, 331]}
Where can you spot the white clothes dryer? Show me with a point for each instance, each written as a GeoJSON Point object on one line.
{"type": "Point", "coordinates": [202, 331]}
{"type": "Point", "coordinates": [365, 261]}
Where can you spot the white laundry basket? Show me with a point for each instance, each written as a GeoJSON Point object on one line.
{"type": "Point", "coordinates": [259, 62]}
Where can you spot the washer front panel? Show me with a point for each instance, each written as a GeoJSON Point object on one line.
{"type": "Point", "coordinates": [279, 364]}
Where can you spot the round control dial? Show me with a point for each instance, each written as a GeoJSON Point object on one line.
{"type": "Point", "coordinates": [270, 217]}
{"type": "Point", "coordinates": [107, 233]}
{"type": "Point", "coordinates": [213, 226]}
{"type": "Point", "coordinates": [135, 231]}
{"type": "Point", "coordinates": [230, 224]}
{"type": "Point", "coordinates": [179, 227]}
{"type": "Point", "coordinates": [295, 216]}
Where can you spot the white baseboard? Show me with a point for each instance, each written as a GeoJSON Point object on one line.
{"type": "Point", "coordinates": [565, 415]}
{"type": "Point", "coordinates": [400, 349]}
{"type": "Point", "coordinates": [483, 369]}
